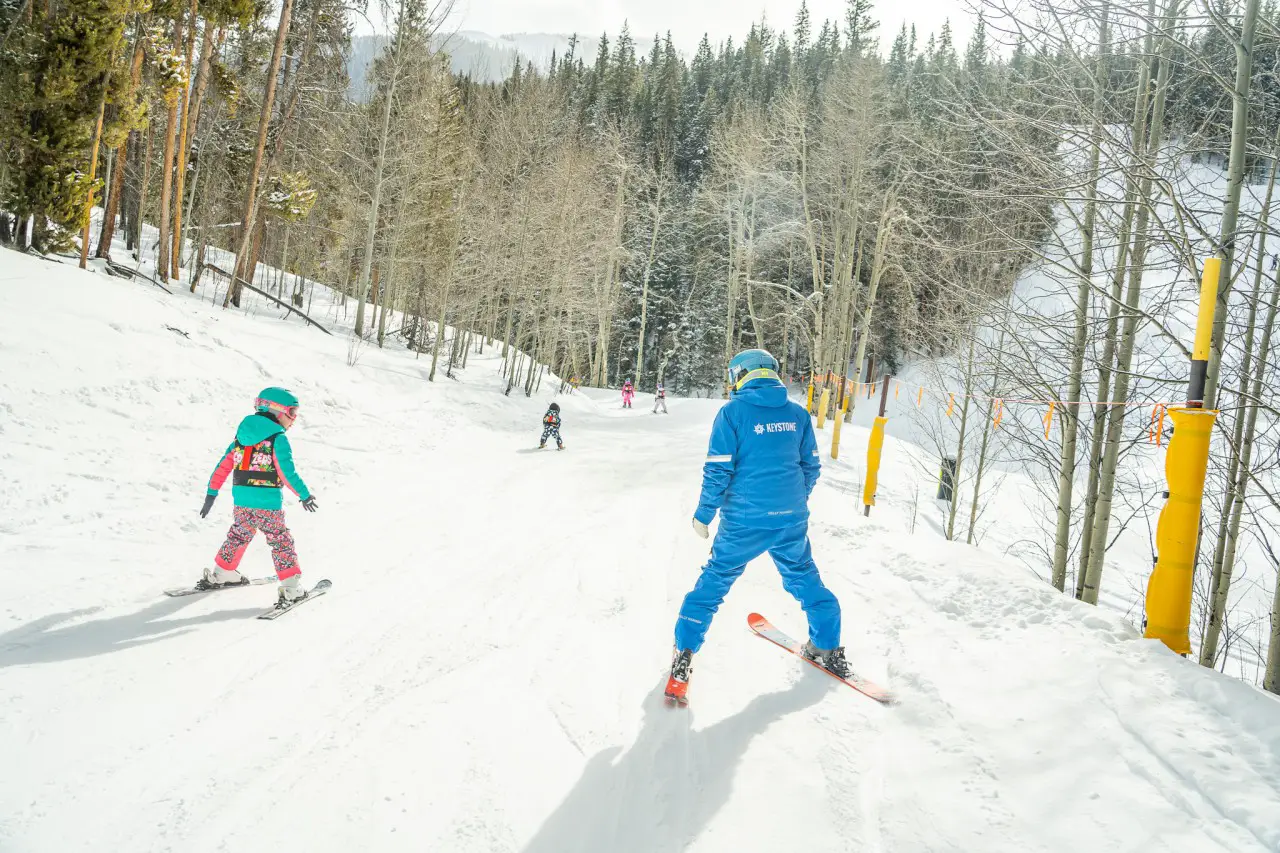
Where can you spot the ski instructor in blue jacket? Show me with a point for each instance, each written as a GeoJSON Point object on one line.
{"type": "Point", "coordinates": [762, 464]}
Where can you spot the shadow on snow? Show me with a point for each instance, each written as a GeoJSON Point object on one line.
{"type": "Point", "coordinates": [672, 781]}
{"type": "Point", "coordinates": [42, 641]}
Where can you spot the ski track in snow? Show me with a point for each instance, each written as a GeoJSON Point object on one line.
{"type": "Point", "coordinates": [486, 674]}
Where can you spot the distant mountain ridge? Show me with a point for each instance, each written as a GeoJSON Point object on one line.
{"type": "Point", "coordinates": [486, 58]}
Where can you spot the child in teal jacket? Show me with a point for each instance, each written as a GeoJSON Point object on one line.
{"type": "Point", "coordinates": [260, 461]}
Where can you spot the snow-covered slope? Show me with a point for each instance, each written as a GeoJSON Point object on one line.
{"type": "Point", "coordinates": [484, 676]}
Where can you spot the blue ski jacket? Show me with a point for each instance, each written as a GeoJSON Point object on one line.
{"type": "Point", "coordinates": [762, 461]}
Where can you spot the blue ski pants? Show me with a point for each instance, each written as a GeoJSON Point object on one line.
{"type": "Point", "coordinates": [734, 547]}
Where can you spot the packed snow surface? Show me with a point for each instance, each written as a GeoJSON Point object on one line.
{"type": "Point", "coordinates": [485, 675]}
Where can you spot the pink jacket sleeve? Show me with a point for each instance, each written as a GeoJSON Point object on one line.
{"type": "Point", "coordinates": [223, 470]}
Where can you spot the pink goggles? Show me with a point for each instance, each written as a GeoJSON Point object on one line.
{"type": "Point", "coordinates": [290, 412]}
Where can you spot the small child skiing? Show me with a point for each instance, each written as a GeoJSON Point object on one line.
{"type": "Point", "coordinates": [628, 394]}
{"type": "Point", "coordinates": [260, 460]}
{"type": "Point", "coordinates": [551, 427]}
{"type": "Point", "coordinates": [762, 464]}
{"type": "Point", "coordinates": [660, 399]}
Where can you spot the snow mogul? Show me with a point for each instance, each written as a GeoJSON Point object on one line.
{"type": "Point", "coordinates": [762, 464]}
{"type": "Point", "coordinates": [260, 461]}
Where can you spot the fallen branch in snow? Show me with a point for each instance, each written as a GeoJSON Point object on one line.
{"type": "Point", "coordinates": [262, 292]}
{"type": "Point", "coordinates": [122, 270]}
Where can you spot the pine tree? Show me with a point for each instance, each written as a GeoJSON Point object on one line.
{"type": "Point", "coordinates": [59, 80]}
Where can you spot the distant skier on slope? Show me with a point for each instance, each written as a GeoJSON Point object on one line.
{"type": "Point", "coordinates": [628, 394]}
{"type": "Point", "coordinates": [762, 464]}
{"type": "Point", "coordinates": [260, 459]}
{"type": "Point", "coordinates": [660, 399]}
{"type": "Point", "coordinates": [551, 426]}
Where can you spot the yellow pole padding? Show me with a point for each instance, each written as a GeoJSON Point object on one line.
{"type": "Point", "coordinates": [1169, 589]}
{"type": "Point", "coordinates": [1208, 302]}
{"type": "Point", "coordinates": [808, 404]}
{"type": "Point", "coordinates": [951, 404]}
{"type": "Point", "coordinates": [874, 448]}
{"type": "Point", "coordinates": [823, 406]}
{"type": "Point", "coordinates": [1048, 420]}
{"type": "Point", "coordinates": [838, 421]}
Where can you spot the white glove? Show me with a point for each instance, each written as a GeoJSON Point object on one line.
{"type": "Point", "coordinates": [701, 529]}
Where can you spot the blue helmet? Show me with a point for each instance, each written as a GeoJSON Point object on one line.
{"type": "Point", "coordinates": [750, 365]}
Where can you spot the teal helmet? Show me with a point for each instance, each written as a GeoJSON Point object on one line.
{"type": "Point", "coordinates": [750, 365]}
{"type": "Point", "coordinates": [276, 401]}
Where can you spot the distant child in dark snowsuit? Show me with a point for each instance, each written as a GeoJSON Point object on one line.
{"type": "Point", "coordinates": [260, 460]}
{"type": "Point", "coordinates": [660, 399]}
{"type": "Point", "coordinates": [551, 426]}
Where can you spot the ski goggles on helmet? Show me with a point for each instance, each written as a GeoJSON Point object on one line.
{"type": "Point", "coordinates": [740, 376]}
{"type": "Point", "coordinates": [262, 405]}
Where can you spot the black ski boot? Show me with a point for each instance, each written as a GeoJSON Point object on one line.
{"type": "Point", "coordinates": [832, 660]}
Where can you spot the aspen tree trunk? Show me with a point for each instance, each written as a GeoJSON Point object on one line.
{"type": "Point", "coordinates": [1145, 160]}
{"type": "Point", "coordinates": [112, 210]}
{"type": "Point", "coordinates": [440, 321]}
{"type": "Point", "coordinates": [648, 272]}
{"type": "Point", "coordinates": [210, 46]}
{"type": "Point", "coordinates": [878, 261]}
{"type": "Point", "coordinates": [1271, 678]}
{"type": "Point", "coordinates": [964, 424]}
{"type": "Point", "coordinates": [1071, 415]}
{"type": "Point", "coordinates": [1246, 411]}
{"type": "Point", "coordinates": [180, 175]}
{"type": "Point", "coordinates": [1107, 362]}
{"type": "Point", "coordinates": [371, 230]}
{"type": "Point", "coordinates": [849, 354]}
{"type": "Point", "coordinates": [121, 161]}
{"type": "Point", "coordinates": [1240, 480]}
{"type": "Point", "coordinates": [93, 168]}
{"type": "Point", "coordinates": [251, 194]}
{"type": "Point", "coordinates": [166, 178]}
{"type": "Point", "coordinates": [1231, 206]}
{"type": "Point", "coordinates": [736, 239]}
{"type": "Point", "coordinates": [1222, 562]}
{"type": "Point", "coordinates": [987, 428]}
{"type": "Point", "coordinates": [142, 193]}
{"type": "Point", "coordinates": [606, 316]}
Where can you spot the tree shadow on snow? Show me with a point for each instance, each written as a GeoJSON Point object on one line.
{"type": "Point", "coordinates": [667, 787]}
{"type": "Point", "coordinates": [41, 641]}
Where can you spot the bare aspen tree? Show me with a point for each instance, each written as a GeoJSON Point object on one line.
{"type": "Point", "coordinates": [1146, 146]}
{"type": "Point", "coordinates": [1071, 408]}
{"type": "Point", "coordinates": [250, 218]}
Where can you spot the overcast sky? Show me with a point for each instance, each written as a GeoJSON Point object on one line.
{"type": "Point", "coordinates": [689, 19]}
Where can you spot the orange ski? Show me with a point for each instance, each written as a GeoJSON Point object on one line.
{"type": "Point", "coordinates": [764, 628]}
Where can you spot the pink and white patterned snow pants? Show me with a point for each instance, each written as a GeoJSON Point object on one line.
{"type": "Point", "coordinates": [248, 521]}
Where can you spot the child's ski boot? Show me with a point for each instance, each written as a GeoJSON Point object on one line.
{"type": "Point", "coordinates": [291, 591]}
{"type": "Point", "coordinates": [218, 578]}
